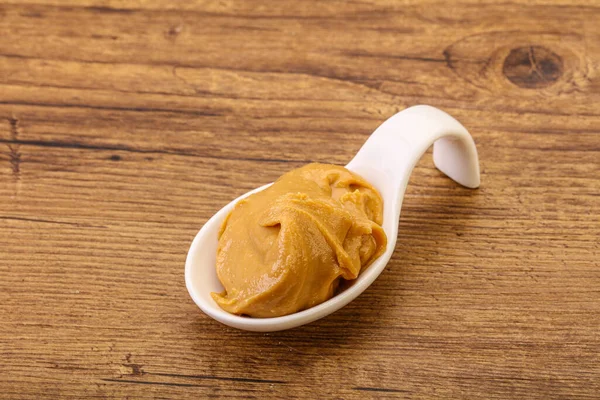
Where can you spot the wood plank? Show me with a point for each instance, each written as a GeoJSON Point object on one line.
{"type": "Point", "coordinates": [125, 125]}
{"type": "Point", "coordinates": [401, 64]}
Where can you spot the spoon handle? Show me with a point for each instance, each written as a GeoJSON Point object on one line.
{"type": "Point", "coordinates": [397, 145]}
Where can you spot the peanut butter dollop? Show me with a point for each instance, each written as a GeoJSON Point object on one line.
{"type": "Point", "coordinates": [288, 247]}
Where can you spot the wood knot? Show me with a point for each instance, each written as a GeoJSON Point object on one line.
{"type": "Point", "coordinates": [173, 32]}
{"type": "Point", "coordinates": [532, 67]}
{"type": "Point", "coordinates": [131, 370]}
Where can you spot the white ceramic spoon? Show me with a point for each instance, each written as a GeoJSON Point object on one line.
{"type": "Point", "coordinates": [386, 160]}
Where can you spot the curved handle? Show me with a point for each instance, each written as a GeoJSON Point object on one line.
{"type": "Point", "coordinates": [392, 151]}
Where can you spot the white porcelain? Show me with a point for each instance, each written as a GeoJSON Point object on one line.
{"type": "Point", "coordinates": [386, 160]}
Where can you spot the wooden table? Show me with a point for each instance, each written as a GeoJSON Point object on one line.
{"type": "Point", "coordinates": [126, 124]}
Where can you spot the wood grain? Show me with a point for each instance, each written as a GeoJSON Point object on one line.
{"type": "Point", "coordinates": [124, 125]}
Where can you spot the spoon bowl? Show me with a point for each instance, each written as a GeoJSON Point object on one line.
{"type": "Point", "coordinates": [386, 160]}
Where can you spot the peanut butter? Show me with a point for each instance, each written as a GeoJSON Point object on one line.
{"type": "Point", "coordinates": [290, 246]}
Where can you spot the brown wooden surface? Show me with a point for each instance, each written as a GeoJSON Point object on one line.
{"type": "Point", "coordinates": [124, 125]}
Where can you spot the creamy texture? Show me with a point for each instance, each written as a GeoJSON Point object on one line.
{"type": "Point", "coordinates": [288, 247]}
